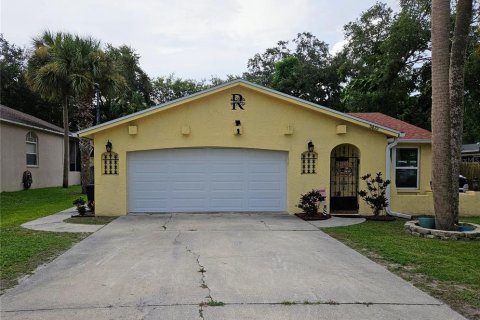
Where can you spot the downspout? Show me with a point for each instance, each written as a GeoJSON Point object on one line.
{"type": "Point", "coordinates": [391, 143]}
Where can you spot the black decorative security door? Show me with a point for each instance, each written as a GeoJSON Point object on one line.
{"type": "Point", "coordinates": [344, 162]}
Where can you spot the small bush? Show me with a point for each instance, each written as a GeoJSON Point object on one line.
{"type": "Point", "coordinates": [375, 195]}
{"type": "Point", "coordinates": [81, 207]}
{"type": "Point", "coordinates": [310, 202]}
{"type": "Point", "coordinates": [79, 202]}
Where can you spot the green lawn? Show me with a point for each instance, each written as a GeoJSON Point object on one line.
{"type": "Point", "coordinates": [449, 270]}
{"type": "Point", "coordinates": [22, 250]}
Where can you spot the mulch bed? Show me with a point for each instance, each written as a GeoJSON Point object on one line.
{"type": "Point", "coordinates": [87, 215]}
{"type": "Point", "coordinates": [308, 217]}
{"type": "Point", "coordinates": [379, 218]}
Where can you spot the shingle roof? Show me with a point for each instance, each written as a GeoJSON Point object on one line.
{"type": "Point", "coordinates": [411, 132]}
{"type": "Point", "coordinates": [10, 114]}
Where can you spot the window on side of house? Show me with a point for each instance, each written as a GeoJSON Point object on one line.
{"type": "Point", "coordinates": [31, 141]}
{"type": "Point", "coordinates": [75, 159]}
{"type": "Point", "coordinates": [407, 162]}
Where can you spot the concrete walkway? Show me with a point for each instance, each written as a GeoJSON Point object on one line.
{"type": "Point", "coordinates": [55, 223]}
{"type": "Point", "coordinates": [261, 266]}
{"type": "Point", "coordinates": [336, 222]}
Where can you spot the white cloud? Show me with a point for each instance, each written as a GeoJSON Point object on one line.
{"type": "Point", "coordinates": [337, 47]}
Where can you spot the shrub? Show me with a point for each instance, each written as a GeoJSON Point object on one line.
{"type": "Point", "coordinates": [375, 195]}
{"type": "Point", "coordinates": [310, 202]}
{"type": "Point", "coordinates": [81, 208]}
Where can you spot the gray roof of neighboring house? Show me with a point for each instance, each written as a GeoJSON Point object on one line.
{"type": "Point", "coordinates": [18, 117]}
{"type": "Point", "coordinates": [471, 148]}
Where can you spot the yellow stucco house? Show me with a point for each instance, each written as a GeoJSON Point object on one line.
{"type": "Point", "coordinates": [246, 148]}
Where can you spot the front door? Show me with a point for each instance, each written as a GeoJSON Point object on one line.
{"type": "Point", "coordinates": [344, 162]}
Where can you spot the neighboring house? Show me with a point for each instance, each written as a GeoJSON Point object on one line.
{"type": "Point", "coordinates": [30, 143]}
{"type": "Point", "coordinates": [471, 152]}
{"type": "Point", "coordinates": [246, 148]}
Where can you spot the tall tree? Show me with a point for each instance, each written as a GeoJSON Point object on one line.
{"type": "Point", "coordinates": [472, 87]}
{"type": "Point", "coordinates": [170, 88]}
{"type": "Point", "coordinates": [137, 91]}
{"type": "Point", "coordinates": [456, 91]}
{"type": "Point", "coordinates": [59, 70]}
{"type": "Point", "coordinates": [307, 71]}
{"type": "Point", "coordinates": [14, 91]}
{"type": "Point", "coordinates": [441, 165]}
{"type": "Point", "coordinates": [101, 69]}
{"type": "Point", "coordinates": [384, 58]}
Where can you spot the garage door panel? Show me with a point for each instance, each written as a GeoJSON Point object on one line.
{"type": "Point", "coordinates": [229, 186]}
{"type": "Point", "coordinates": [149, 205]}
{"type": "Point", "coordinates": [187, 204]}
{"type": "Point", "coordinates": [196, 180]}
{"type": "Point", "coordinates": [273, 186]}
{"type": "Point", "coordinates": [228, 167]}
{"type": "Point", "coordinates": [263, 205]}
{"type": "Point", "coordinates": [195, 186]}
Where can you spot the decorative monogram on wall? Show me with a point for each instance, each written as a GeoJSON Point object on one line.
{"type": "Point", "coordinates": [237, 101]}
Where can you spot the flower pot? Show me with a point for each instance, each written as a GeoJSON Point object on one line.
{"type": "Point", "coordinates": [426, 222]}
{"type": "Point", "coordinates": [465, 227]}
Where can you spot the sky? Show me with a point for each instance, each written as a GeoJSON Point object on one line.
{"type": "Point", "coordinates": [192, 39]}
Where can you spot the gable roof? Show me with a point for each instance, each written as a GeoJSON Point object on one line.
{"type": "Point", "coordinates": [13, 115]}
{"type": "Point", "coordinates": [239, 82]}
{"type": "Point", "coordinates": [411, 132]}
{"type": "Point", "coordinates": [20, 118]}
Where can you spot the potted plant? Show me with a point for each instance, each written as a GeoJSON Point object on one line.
{"type": "Point", "coordinates": [310, 203]}
{"type": "Point", "coordinates": [426, 222]}
{"type": "Point", "coordinates": [375, 195]}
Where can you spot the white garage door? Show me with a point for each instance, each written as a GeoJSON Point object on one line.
{"type": "Point", "coordinates": [200, 180]}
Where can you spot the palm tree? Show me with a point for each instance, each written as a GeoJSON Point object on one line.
{"type": "Point", "coordinates": [457, 70]}
{"type": "Point", "coordinates": [59, 69]}
{"type": "Point", "coordinates": [441, 165]}
{"type": "Point", "coordinates": [104, 70]}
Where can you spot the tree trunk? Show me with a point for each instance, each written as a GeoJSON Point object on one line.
{"type": "Point", "coordinates": [441, 165]}
{"type": "Point", "coordinates": [457, 70]}
{"type": "Point", "coordinates": [66, 162]}
{"type": "Point", "coordinates": [82, 113]}
{"type": "Point", "coordinates": [85, 151]}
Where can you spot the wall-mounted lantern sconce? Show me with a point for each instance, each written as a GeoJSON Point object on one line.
{"type": "Point", "coordinates": [310, 146]}
{"type": "Point", "coordinates": [238, 128]}
{"type": "Point", "coordinates": [109, 146]}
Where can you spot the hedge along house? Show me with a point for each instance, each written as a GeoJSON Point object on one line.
{"type": "Point", "coordinates": [245, 148]}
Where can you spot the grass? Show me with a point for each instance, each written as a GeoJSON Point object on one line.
{"type": "Point", "coordinates": [22, 250]}
{"type": "Point", "coordinates": [90, 220]}
{"type": "Point", "coordinates": [449, 270]}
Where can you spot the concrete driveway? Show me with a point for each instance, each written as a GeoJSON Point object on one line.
{"type": "Point", "coordinates": [164, 266]}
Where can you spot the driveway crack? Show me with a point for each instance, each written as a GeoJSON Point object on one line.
{"type": "Point", "coordinates": [202, 270]}
{"type": "Point", "coordinates": [167, 222]}
{"type": "Point", "coordinates": [266, 225]}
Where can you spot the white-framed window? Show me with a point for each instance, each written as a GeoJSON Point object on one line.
{"type": "Point", "coordinates": [407, 163]}
{"type": "Point", "coordinates": [31, 142]}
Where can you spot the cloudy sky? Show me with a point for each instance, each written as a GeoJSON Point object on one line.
{"type": "Point", "coordinates": [193, 39]}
